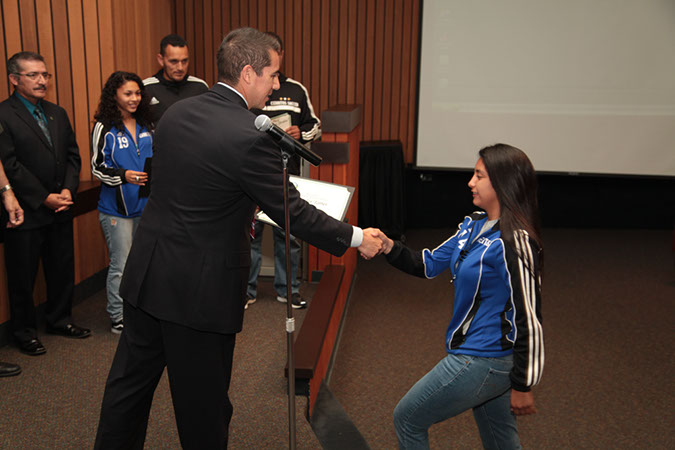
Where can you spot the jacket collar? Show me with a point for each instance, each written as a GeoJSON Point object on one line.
{"type": "Point", "coordinates": [229, 93]}
{"type": "Point", "coordinates": [23, 113]}
{"type": "Point", "coordinates": [170, 83]}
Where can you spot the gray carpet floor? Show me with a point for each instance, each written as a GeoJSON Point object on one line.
{"type": "Point", "coordinates": [608, 305]}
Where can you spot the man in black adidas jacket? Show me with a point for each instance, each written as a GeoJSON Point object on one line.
{"type": "Point", "coordinates": [172, 82]}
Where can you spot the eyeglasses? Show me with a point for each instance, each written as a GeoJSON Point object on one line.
{"type": "Point", "coordinates": [36, 75]}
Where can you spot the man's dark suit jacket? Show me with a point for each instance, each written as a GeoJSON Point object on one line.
{"type": "Point", "coordinates": [190, 258]}
{"type": "Point", "coordinates": [34, 167]}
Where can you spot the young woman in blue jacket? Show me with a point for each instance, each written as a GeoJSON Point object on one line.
{"type": "Point", "coordinates": [494, 341]}
{"type": "Point", "coordinates": [121, 142]}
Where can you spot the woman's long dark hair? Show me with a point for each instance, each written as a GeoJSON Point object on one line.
{"type": "Point", "coordinates": [108, 113]}
{"type": "Point", "coordinates": [514, 180]}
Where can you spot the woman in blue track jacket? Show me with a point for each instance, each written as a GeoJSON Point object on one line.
{"type": "Point", "coordinates": [121, 142]}
{"type": "Point", "coordinates": [494, 340]}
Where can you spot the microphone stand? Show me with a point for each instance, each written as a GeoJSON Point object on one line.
{"type": "Point", "coordinates": [290, 320]}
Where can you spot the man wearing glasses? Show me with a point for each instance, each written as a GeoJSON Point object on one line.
{"type": "Point", "coordinates": [42, 161]}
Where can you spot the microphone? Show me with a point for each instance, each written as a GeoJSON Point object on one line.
{"type": "Point", "coordinates": [286, 141]}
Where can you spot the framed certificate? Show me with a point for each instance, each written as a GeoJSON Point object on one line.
{"type": "Point", "coordinates": [333, 199]}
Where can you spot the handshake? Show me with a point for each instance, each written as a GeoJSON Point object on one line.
{"type": "Point", "coordinates": [374, 243]}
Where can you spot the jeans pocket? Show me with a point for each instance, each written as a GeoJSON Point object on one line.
{"type": "Point", "coordinates": [495, 383]}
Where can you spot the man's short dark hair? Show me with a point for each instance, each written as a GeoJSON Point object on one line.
{"type": "Point", "coordinates": [242, 47]}
{"type": "Point", "coordinates": [276, 36]}
{"type": "Point", "coordinates": [173, 40]}
{"type": "Point", "coordinates": [14, 65]}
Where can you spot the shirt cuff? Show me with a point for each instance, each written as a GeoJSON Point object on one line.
{"type": "Point", "coordinates": [357, 237]}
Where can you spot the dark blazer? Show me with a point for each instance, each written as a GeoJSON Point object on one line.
{"type": "Point", "coordinates": [34, 167]}
{"type": "Point", "coordinates": [190, 258]}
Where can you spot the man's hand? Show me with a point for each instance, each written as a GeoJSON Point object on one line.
{"type": "Point", "coordinates": [371, 244]}
{"type": "Point", "coordinates": [13, 208]}
{"type": "Point", "coordinates": [522, 403]}
{"type": "Point", "coordinates": [294, 131]}
{"type": "Point", "coordinates": [59, 202]}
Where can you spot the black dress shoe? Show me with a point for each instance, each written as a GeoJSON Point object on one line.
{"type": "Point", "coordinates": [32, 347]}
{"type": "Point", "coordinates": [9, 370]}
{"type": "Point", "coordinates": [71, 331]}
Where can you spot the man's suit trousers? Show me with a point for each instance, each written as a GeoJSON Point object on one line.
{"type": "Point", "coordinates": [199, 365]}
{"type": "Point", "coordinates": [23, 250]}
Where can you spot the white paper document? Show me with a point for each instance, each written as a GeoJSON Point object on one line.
{"type": "Point", "coordinates": [333, 199]}
{"type": "Point", "coordinates": [283, 121]}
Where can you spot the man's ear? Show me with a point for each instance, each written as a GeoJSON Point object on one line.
{"type": "Point", "coordinates": [13, 79]}
{"type": "Point", "coordinates": [160, 59]}
{"type": "Point", "coordinates": [247, 73]}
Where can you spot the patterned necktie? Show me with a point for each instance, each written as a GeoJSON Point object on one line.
{"type": "Point", "coordinates": [43, 124]}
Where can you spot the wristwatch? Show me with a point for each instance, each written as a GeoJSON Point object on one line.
{"type": "Point", "coordinates": [5, 188]}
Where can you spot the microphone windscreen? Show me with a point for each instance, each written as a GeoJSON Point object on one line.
{"type": "Point", "coordinates": [263, 123]}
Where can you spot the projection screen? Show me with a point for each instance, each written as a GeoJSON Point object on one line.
{"type": "Point", "coordinates": [581, 86]}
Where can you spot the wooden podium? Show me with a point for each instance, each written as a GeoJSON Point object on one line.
{"type": "Point", "coordinates": [339, 148]}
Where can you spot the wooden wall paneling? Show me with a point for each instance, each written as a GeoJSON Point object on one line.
{"type": "Point", "coordinates": [314, 80]}
{"type": "Point", "coordinates": [178, 18]}
{"type": "Point", "coordinates": [387, 69]}
{"type": "Point", "coordinates": [189, 18]}
{"type": "Point", "coordinates": [4, 85]}
{"type": "Point", "coordinates": [378, 62]}
{"type": "Point", "coordinates": [404, 108]}
{"type": "Point", "coordinates": [93, 61]}
{"type": "Point", "coordinates": [333, 53]}
{"type": "Point", "coordinates": [253, 13]}
{"type": "Point", "coordinates": [235, 15]}
{"type": "Point", "coordinates": [324, 75]}
{"type": "Point", "coordinates": [369, 71]}
{"type": "Point", "coordinates": [142, 30]}
{"type": "Point", "coordinates": [297, 39]}
{"type": "Point", "coordinates": [287, 37]}
{"type": "Point", "coordinates": [80, 117]}
{"type": "Point", "coordinates": [46, 42]}
{"type": "Point", "coordinates": [29, 38]}
{"type": "Point", "coordinates": [272, 15]}
{"type": "Point", "coordinates": [243, 14]}
{"type": "Point", "coordinates": [12, 22]}
{"type": "Point", "coordinates": [396, 69]}
{"type": "Point", "coordinates": [198, 43]}
{"type": "Point", "coordinates": [106, 39]}
{"type": "Point", "coordinates": [123, 30]}
{"type": "Point", "coordinates": [360, 61]}
{"type": "Point", "coordinates": [350, 41]}
{"type": "Point", "coordinates": [216, 38]}
{"type": "Point", "coordinates": [306, 40]}
{"type": "Point", "coordinates": [209, 51]}
{"type": "Point", "coordinates": [62, 65]}
{"type": "Point", "coordinates": [261, 15]}
{"type": "Point", "coordinates": [412, 90]}
{"type": "Point", "coordinates": [280, 17]}
{"type": "Point", "coordinates": [342, 50]}
{"type": "Point", "coordinates": [91, 253]}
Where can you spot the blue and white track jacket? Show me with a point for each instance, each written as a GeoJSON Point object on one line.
{"type": "Point", "coordinates": [497, 305]}
{"type": "Point", "coordinates": [113, 153]}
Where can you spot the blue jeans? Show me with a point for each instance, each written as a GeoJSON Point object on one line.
{"type": "Point", "coordinates": [457, 383]}
{"type": "Point", "coordinates": [119, 233]}
{"type": "Point", "coordinates": [279, 261]}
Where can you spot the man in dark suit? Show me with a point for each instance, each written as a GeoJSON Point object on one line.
{"type": "Point", "coordinates": [185, 280]}
{"type": "Point", "coordinates": [42, 162]}
{"type": "Point", "coordinates": [14, 219]}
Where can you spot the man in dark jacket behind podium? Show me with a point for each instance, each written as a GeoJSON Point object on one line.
{"type": "Point", "coordinates": [185, 281]}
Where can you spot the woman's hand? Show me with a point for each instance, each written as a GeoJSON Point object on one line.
{"type": "Point", "coordinates": [133, 177]}
{"type": "Point", "coordinates": [387, 244]}
{"type": "Point", "coordinates": [522, 403]}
